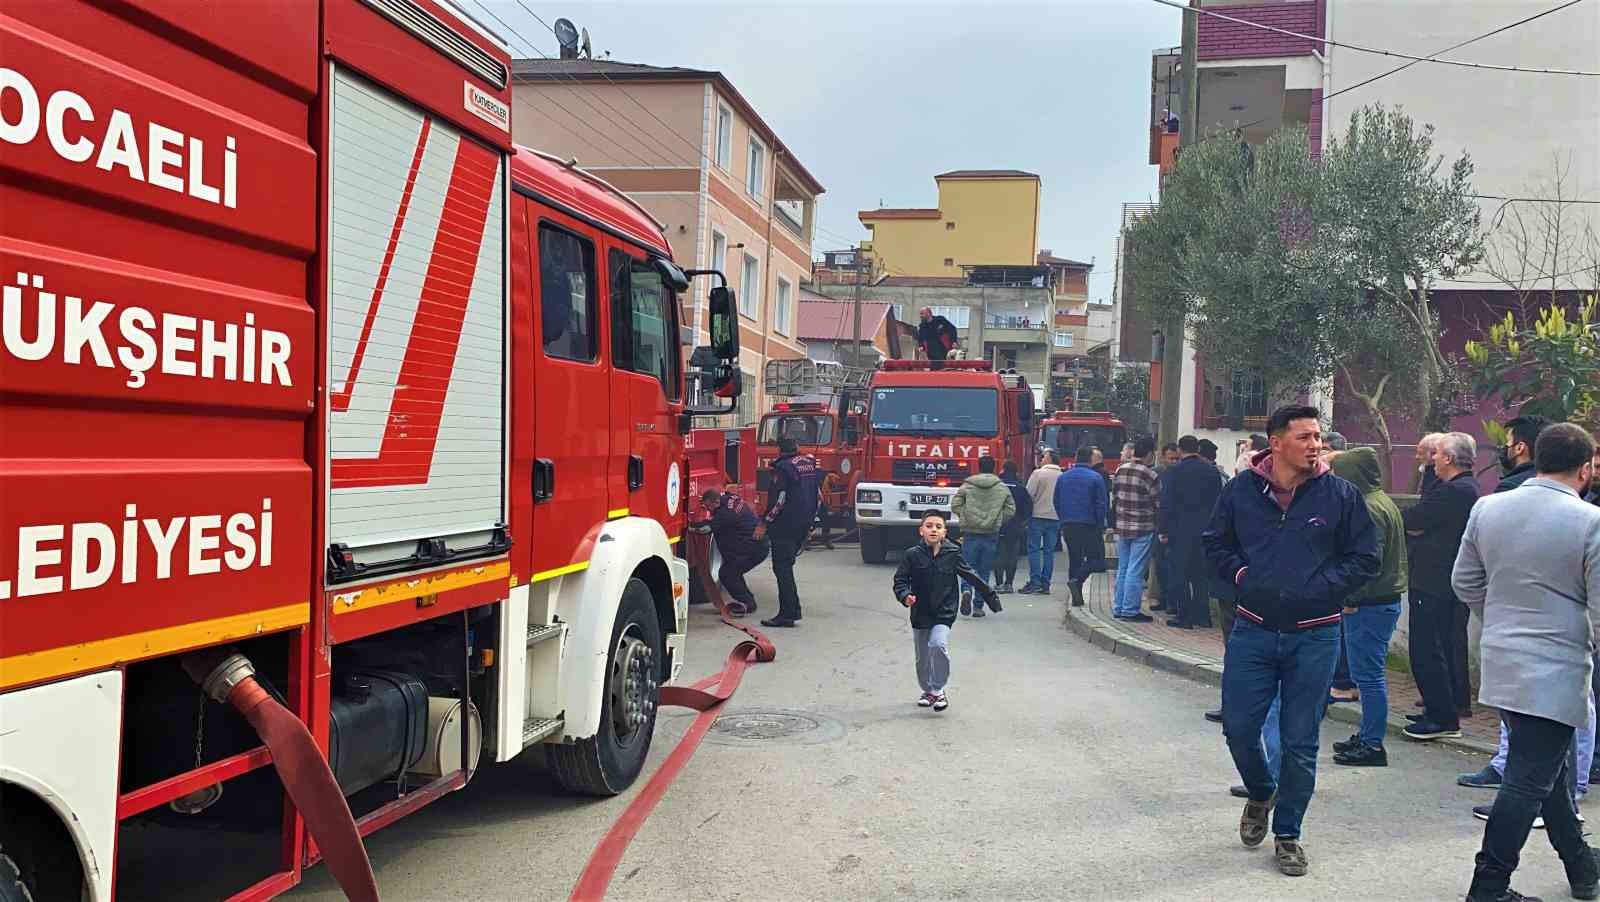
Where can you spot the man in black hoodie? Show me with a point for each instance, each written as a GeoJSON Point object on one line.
{"type": "Point", "coordinates": [1297, 541]}
{"type": "Point", "coordinates": [1516, 455]}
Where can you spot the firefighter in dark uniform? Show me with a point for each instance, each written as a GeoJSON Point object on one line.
{"type": "Point", "coordinates": [792, 497]}
{"type": "Point", "coordinates": [936, 335]}
{"type": "Point", "coordinates": [733, 524]}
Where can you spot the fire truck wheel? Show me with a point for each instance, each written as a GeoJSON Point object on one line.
{"type": "Point", "coordinates": [872, 550]}
{"type": "Point", "coordinates": [38, 859]}
{"type": "Point", "coordinates": [608, 762]}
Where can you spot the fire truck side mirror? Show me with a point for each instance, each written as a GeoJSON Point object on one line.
{"type": "Point", "coordinates": [670, 274]}
{"type": "Point", "coordinates": [724, 324]}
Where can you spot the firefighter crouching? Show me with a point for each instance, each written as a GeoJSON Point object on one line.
{"type": "Point", "coordinates": [791, 509]}
{"type": "Point", "coordinates": [732, 523]}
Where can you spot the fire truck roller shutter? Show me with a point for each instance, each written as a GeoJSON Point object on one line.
{"type": "Point", "coordinates": [417, 346]}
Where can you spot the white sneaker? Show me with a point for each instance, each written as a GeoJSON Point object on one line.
{"type": "Point", "coordinates": [941, 702]}
{"type": "Point", "coordinates": [925, 701]}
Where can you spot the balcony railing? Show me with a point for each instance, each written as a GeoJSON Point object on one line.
{"type": "Point", "coordinates": [787, 220]}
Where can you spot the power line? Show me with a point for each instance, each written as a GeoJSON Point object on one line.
{"type": "Point", "coordinates": [1363, 49]}
{"type": "Point", "coordinates": [1534, 200]}
{"type": "Point", "coordinates": [1429, 58]}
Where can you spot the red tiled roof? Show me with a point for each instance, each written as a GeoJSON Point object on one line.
{"type": "Point", "coordinates": [829, 319]}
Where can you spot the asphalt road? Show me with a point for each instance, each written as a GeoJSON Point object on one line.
{"type": "Point", "coordinates": [1059, 772]}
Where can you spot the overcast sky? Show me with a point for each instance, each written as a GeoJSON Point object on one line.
{"type": "Point", "coordinates": [875, 98]}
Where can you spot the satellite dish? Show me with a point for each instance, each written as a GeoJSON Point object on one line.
{"type": "Point", "coordinates": [587, 52]}
{"type": "Point", "coordinates": [566, 33]}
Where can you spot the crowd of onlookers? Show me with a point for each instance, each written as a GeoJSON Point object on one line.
{"type": "Point", "coordinates": [1310, 562]}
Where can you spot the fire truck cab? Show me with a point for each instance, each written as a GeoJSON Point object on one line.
{"type": "Point", "coordinates": [926, 430]}
{"type": "Point", "coordinates": [312, 382]}
{"type": "Point", "coordinates": [1066, 431]}
{"type": "Point", "coordinates": [824, 412]}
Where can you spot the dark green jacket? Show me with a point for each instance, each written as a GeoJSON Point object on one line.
{"type": "Point", "coordinates": [1360, 467]}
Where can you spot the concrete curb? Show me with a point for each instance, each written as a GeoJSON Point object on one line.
{"type": "Point", "coordinates": [1204, 669]}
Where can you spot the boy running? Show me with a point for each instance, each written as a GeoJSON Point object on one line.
{"type": "Point", "coordinates": [925, 582]}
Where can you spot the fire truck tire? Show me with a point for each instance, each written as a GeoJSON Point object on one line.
{"type": "Point", "coordinates": [609, 761]}
{"type": "Point", "coordinates": [872, 545]}
{"type": "Point", "coordinates": [38, 859]}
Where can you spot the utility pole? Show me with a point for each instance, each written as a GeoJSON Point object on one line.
{"type": "Point", "coordinates": [1188, 134]}
{"type": "Point", "coordinates": [855, 331]}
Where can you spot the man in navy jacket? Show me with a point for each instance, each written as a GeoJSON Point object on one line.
{"type": "Point", "coordinates": [1297, 541]}
{"type": "Point", "coordinates": [1189, 493]}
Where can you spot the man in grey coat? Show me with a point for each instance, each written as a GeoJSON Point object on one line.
{"type": "Point", "coordinates": [1529, 567]}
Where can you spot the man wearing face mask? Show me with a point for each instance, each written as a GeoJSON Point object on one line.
{"type": "Point", "coordinates": [1516, 456]}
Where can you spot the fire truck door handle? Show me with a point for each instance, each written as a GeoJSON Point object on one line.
{"type": "Point", "coordinates": [544, 479]}
{"type": "Point", "coordinates": [635, 472]}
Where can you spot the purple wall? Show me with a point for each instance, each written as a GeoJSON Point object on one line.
{"type": "Point", "coordinates": [1460, 314]}
{"type": "Point", "coordinates": [1223, 40]}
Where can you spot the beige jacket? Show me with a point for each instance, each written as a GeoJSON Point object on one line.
{"type": "Point", "coordinates": [1042, 489]}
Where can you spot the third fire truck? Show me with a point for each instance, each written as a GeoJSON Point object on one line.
{"type": "Point", "coordinates": [926, 430]}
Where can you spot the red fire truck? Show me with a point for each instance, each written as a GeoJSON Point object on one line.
{"type": "Point", "coordinates": [320, 404]}
{"type": "Point", "coordinates": [1067, 431]}
{"type": "Point", "coordinates": [926, 431]}
{"type": "Point", "coordinates": [824, 414]}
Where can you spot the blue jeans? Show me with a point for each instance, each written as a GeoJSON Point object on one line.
{"type": "Point", "coordinates": [1260, 666]}
{"type": "Point", "coordinates": [980, 552]}
{"type": "Point", "coordinates": [1132, 555]}
{"type": "Point", "coordinates": [1042, 537]}
{"type": "Point", "coordinates": [1366, 645]}
{"type": "Point", "coordinates": [1272, 737]}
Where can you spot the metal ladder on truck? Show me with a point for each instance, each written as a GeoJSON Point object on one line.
{"type": "Point", "coordinates": [819, 380]}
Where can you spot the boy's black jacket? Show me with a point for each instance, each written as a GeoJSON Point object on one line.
{"type": "Point", "coordinates": [932, 578]}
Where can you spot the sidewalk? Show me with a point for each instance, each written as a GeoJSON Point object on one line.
{"type": "Point", "coordinates": [1197, 654]}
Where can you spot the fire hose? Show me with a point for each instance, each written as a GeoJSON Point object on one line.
{"type": "Point", "coordinates": [596, 876]}
{"type": "Point", "coordinates": [229, 677]}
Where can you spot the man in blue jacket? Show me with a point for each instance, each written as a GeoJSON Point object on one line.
{"type": "Point", "coordinates": [1296, 541]}
{"type": "Point", "coordinates": [1080, 502]}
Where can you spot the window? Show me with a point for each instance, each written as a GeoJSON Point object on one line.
{"type": "Point", "coordinates": [935, 411]}
{"type": "Point", "coordinates": [567, 305]}
{"type": "Point", "coordinates": [750, 287]}
{"type": "Point", "coordinates": [958, 316]}
{"type": "Point", "coordinates": [949, 227]}
{"type": "Point", "coordinates": [949, 261]}
{"type": "Point", "coordinates": [1232, 397]}
{"type": "Point", "coordinates": [753, 180]}
{"type": "Point", "coordinates": [805, 429]}
{"type": "Point", "coordinates": [1063, 339]}
{"type": "Point", "coordinates": [782, 323]}
{"type": "Point", "coordinates": [642, 328]}
{"type": "Point", "coordinates": [724, 136]}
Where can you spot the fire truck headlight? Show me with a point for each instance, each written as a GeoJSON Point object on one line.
{"type": "Point", "coordinates": [869, 496]}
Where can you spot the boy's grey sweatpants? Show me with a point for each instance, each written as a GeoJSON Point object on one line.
{"type": "Point", "coordinates": [933, 657]}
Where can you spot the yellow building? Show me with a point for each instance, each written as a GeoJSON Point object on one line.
{"type": "Point", "coordinates": [985, 217]}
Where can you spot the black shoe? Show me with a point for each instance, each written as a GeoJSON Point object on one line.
{"type": "Point", "coordinates": [1584, 880]}
{"type": "Point", "coordinates": [1029, 589]}
{"type": "Point", "coordinates": [994, 605]}
{"type": "Point", "coordinates": [1158, 607]}
{"type": "Point", "coordinates": [966, 604]}
{"type": "Point", "coordinates": [1177, 624]}
{"type": "Point", "coordinates": [1076, 588]}
{"type": "Point", "coordinates": [1238, 791]}
{"type": "Point", "coordinates": [778, 622]}
{"type": "Point", "coordinates": [1214, 716]}
{"type": "Point", "coordinates": [1416, 717]}
{"type": "Point", "coordinates": [1135, 618]}
{"type": "Point", "coordinates": [1347, 745]}
{"type": "Point", "coordinates": [1363, 756]}
{"type": "Point", "coordinates": [978, 612]}
{"type": "Point", "coordinates": [1506, 895]}
{"type": "Point", "coordinates": [1427, 731]}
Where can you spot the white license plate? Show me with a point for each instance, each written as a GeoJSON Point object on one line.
{"type": "Point", "coordinates": [928, 499]}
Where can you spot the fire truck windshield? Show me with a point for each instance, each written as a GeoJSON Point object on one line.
{"type": "Point", "coordinates": [804, 428]}
{"type": "Point", "coordinates": [1068, 439]}
{"type": "Point", "coordinates": [903, 410]}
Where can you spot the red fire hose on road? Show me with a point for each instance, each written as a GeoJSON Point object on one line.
{"type": "Point", "coordinates": [596, 876]}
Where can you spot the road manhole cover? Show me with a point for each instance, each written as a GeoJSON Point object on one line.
{"type": "Point", "coordinates": [750, 726]}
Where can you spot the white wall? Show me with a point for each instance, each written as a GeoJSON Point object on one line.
{"type": "Point", "coordinates": [1510, 122]}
